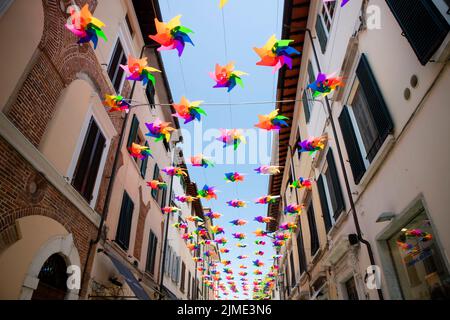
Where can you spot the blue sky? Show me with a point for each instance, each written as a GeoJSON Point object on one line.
{"type": "Point", "coordinates": [248, 23]}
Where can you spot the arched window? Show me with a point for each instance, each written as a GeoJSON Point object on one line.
{"type": "Point", "coordinates": [52, 280]}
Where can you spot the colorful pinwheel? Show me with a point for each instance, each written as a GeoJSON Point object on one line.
{"type": "Point", "coordinates": [267, 199]}
{"type": "Point", "coordinates": [242, 267]}
{"type": "Point", "coordinates": [243, 274]}
{"type": "Point", "coordinates": [86, 27]}
{"type": "Point", "coordinates": [259, 253]}
{"type": "Point", "coordinates": [192, 246]}
{"type": "Point", "coordinates": [301, 183]}
{"type": "Point", "coordinates": [225, 262]}
{"type": "Point", "coordinates": [260, 233]}
{"type": "Point", "coordinates": [217, 230]}
{"type": "Point", "coordinates": [268, 170]}
{"type": "Point", "coordinates": [325, 84]}
{"type": "Point", "coordinates": [257, 273]}
{"type": "Point", "coordinates": [138, 70]}
{"type": "Point", "coordinates": [239, 236]}
{"type": "Point", "coordinates": [172, 35]}
{"type": "Point", "coordinates": [170, 210]}
{"type": "Point", "coordinates": [293, 209]}
{"type": "Point", "coordinates": [175, 172]}
{"type": "Point", "coordinates": [262, 219]}
{"type": "Point", "coordinates": [239, 222]}
{"type": "Point", "coordinates": [232, 137]}
{"type": "Point", "coordinates": [180, 225]}
{"type": "Point", "coordinates": [197, 259]}
{"type": "Point", "coordinates": [213, 215]}
{"type": "Point", "coordinates": [116, 103]}
{"type": "Point", "coordinates": [141, 152]}
{"type": "Point", "coordinates": [157, 185]}
{"type": "Point", "coordinates": [242, 257]}
{"type": "Point", "coordinates": [185, 199]}
{"type": "Point", "coordinates": [276, 53]}
{"type": "Point", "coordinates": [283, 236]}
{"type": "Point", "coordinates": [187, 236]}
{"type": "Point", "coordinates": [159, 130]}
{"type": "Point", "coordinates": [222, 241]}
{"type": "Point", "coordinates": [272, 121]}
{"type": "Point", "coordinates": [241, 245]}
{"type": "Point", "coordinates": [237, 203]}
{"type": "Point", "coordinates": [228, 270]}
{"type": "Point", "coordinates": [207, 193]}
{"type": "Point", "coordinates": [201, 161]}
{"type": "Point", "coordinates": [227, 77]}
{"type": "Point", "coordinates": [288, 226]}
{"type": "Point", "coordinates": [209, 253]}
{"type": "Point", "coordinates": [312, 145]}
{"type": "Point", "coordinates": [279, 243]}
{"type": "Point", "coordinates": [234, 177]}
{"type": "Point", "coordinates": [224, 250]}
{"type": "Point", "coordinates": [260, 243]}
{"type": "Point", "coordinates": [189, 111]}
{"type": "Point", "coordinates": [194, 219]}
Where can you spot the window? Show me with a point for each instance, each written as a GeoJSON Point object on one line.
{"type": "Point", "coordinates": [323, 23]}
{"type": "Point", "coordinates": [313, 229]}
{"type": "Point", "coordinates": [286, 278]}
{"type": "Point", "coordinates": [115, 72]}
{"type": "Point", "coordinates": [156, 176]}
{"type": "Point", "coordinates": [144, 164]}
{"type": "Point", "coordinates": [366, 122]}
{"type": "Point", "coordinates": [301, 251]}
{"type": "Point", "coordinates": [130, 27]}
{"type": "Point", "coordinates": [418, 261]}
{"type": "Point", "coordinates": [293, 280]}
{"type": "Point", "coordinates": [150, 94]}
{"type": "Point", "coordinates": [167, 264]}
{"type": "Point", "coordinates": [133, 137]}
{"type": "Point", "coordinates": [183, 277]}
{"type": "Point", "coordinates": [330, 192]}
{"type": "Point", "coordinates": [89, 160]}
{"type": "Point", "coordinates": [307, 94]}
{"type": "Point", "coordinates": [350, 288]}
{"type": "Point", "coordinates": [151, 253]}
{"type": "Point", "coordinates": [426, 38]}
{"type": "Point", "coordinates": [125, 220]}
{"type": "Point", "coordinates": [189, 286]}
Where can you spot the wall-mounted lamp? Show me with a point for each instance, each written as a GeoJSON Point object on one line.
{"type": "Point", "coordinates": [386, 216]}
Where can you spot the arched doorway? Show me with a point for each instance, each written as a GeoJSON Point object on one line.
{"type": "Point", "coordinates": [52, 280]}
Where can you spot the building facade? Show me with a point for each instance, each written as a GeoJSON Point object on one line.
{"type": "Point", "coordinates": [64, 211]}
{"type": "Point", "coordinates": [393, 244]}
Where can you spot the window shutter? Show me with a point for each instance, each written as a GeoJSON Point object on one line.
{"type": "Point", "coordinates": [321, 34]}
{"type": "Point", "coordinates": [115, 72]}
{"type": "Point", "coordinates": [293, 280]}
{"type": "Point", "coordinates": [324, 204]}
{"type": "Point", "coordinates": [313, 230]}
{"type": "Point", "coordinates": [155, 177]}
{"type": "Point", "coordinates": [422, 24]}
{"type": "Point", "coordinates": [301, 251]}
{"type": "Point", "coordinates": [306, 106]}
{"type": "Point", "coordinates": [144, 165]}
{"type": "Point", "coordinates": [377, 105]}
{"type": "Point", "coordinates": [150, 93]}
{"type": "Point", "coordinates": [336, 185]}
{"type": "Point", "coordinates": [351, 144]}
{"type": "Point", "coordinates": [133, 131]}
{"type": "Point", "coordinates": [125, 220]}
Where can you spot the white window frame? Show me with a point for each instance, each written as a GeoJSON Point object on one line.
{"type": "Point", "coordinates": [76, 154]}
{"type": "Point", "coordinates": [325, 5]}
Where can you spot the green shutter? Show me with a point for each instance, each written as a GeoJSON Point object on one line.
{"type": "Point", "coordinates": [321, 34]}
{"type": "Point", "coordinates": [336, 185]}
{"type": "Point", "coordinates": [324, 204]}
{"type": "Point", "coordinates": [133, 131]}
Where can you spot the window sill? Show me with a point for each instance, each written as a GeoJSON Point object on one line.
{"type": "Point", "coordinates": [376, 163]}
{"type": "Point", "coordinates": [343, 216]}
{"type": "Point", "coordinates": [316, 257]}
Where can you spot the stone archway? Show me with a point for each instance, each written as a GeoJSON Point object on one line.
{"type": "Point", "coordinates": [62, 245]}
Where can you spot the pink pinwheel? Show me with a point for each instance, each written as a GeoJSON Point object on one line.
{"type": "Point", "coordinates": [288, 226]}
{"type": "Point", "coordinates": [170, 210]}
{"type": "Point", "coordinates": [267, 199]}
{"type": "Point", "coordinates": [175, 172]}
{"type": "Point", "coordinates": [217, 230]}
{"type": "Point", "coordinates": [302, 183]}
{"type": "Point", "coordinates": [159, 130]}
{"type": "Point", "coordinates": [283, 236]}
{"type": "Point", "coordinates": [237, 203]}
{"type": "Point", "coordinates": [232, 137]}
{"type": "Point", "coordinates": [172, 35]}
{"type": "Point", "coordinates": [222, 241]}
{"type": "Point", "coordinates": [239, 222]}
{"type": "Point", "coordinates": [185, 199]}
{"type": "Point", "coordinates": [138, 70]}
{"type": "Point", "coordinates": [227, 77]}
{"type": "Point", "coordinates": [268, 170]}
{"type": "Point", "coordinates": [325, 84]}
{"type": "Point", "coordinates": [201, 161]}
{"type": "Point", "coordinates": [259, 253]}
{"type": "Point", "coordinates": [260, 243]}
{"type": "Point", "coordinates": [293, 209]}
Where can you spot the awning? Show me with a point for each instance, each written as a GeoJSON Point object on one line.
{"type": "Point", "coordinates": [132, 282]}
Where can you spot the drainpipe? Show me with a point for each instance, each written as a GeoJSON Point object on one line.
{"type": "Point", "coordinates": [298, 201]}
{"type": "Point", "coordinates": [92, 243]}
{"type": "Point", "coordinates": [344, 171]}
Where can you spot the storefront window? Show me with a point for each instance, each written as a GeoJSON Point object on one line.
{"type": "Point", "coordinates": [418, 262]}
